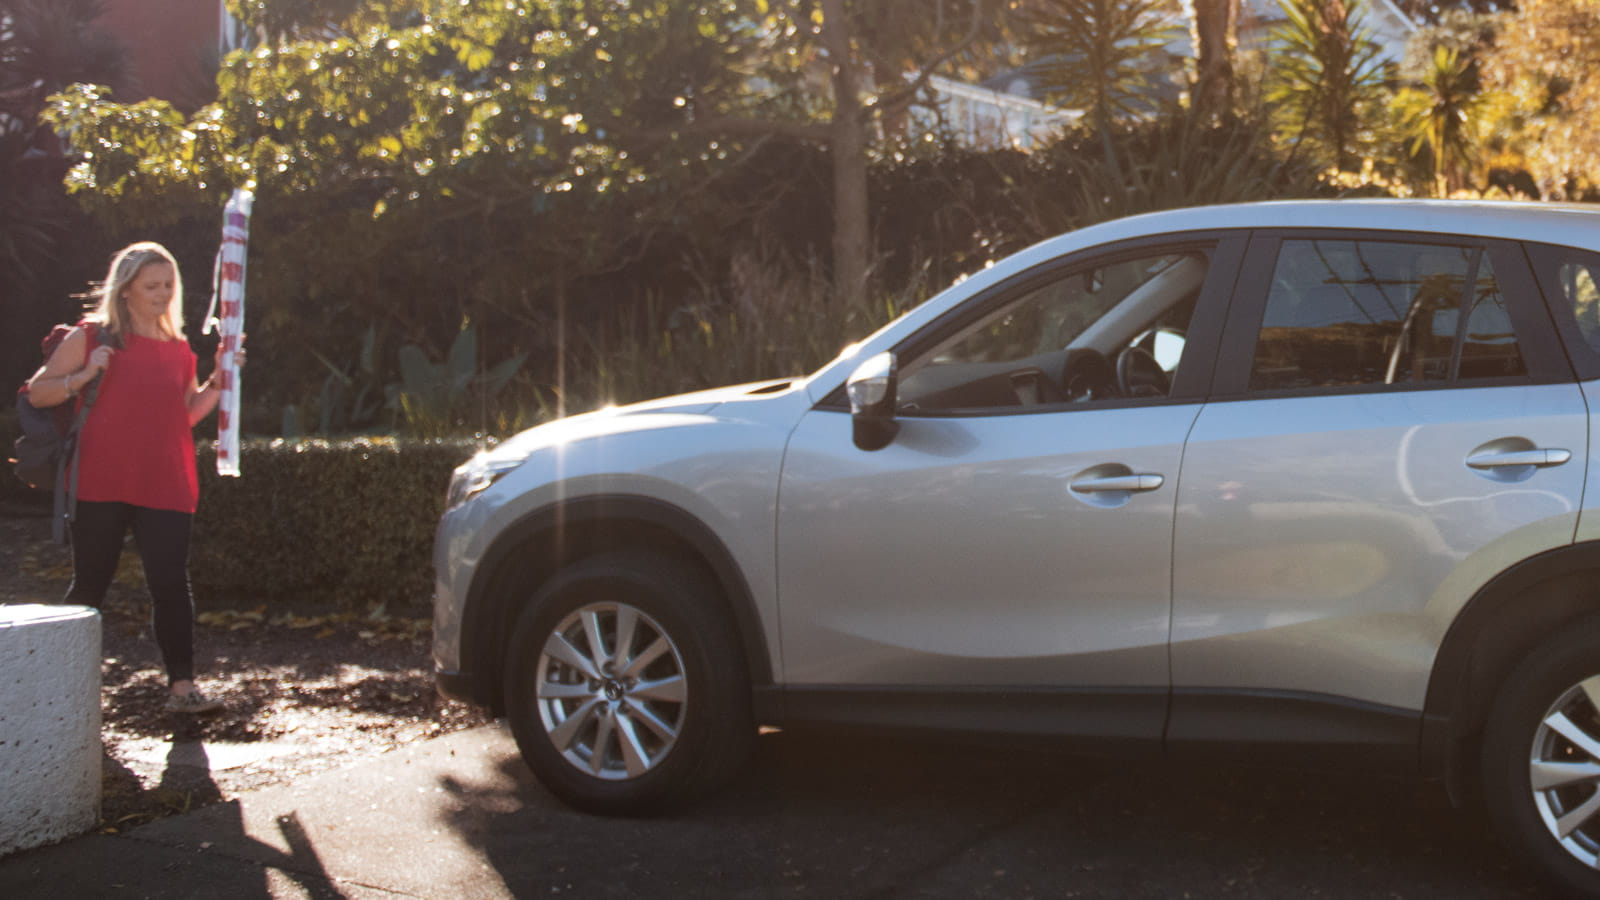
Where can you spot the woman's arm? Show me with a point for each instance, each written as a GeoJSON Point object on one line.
{"type": "Point", "coordinates": [69, 370]}
{"type": "Point", "coordinates": [203, 398]}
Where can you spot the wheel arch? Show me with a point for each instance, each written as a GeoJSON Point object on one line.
{"type": "Point", "coordinates": [532, 549]}
{"type": "Point", "coordinates": [1507, 618]}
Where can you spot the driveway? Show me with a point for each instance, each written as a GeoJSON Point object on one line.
{"type": "Point", "coordinates": [814, 816]}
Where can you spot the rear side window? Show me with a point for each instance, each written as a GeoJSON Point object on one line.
{"type": "Point", "coordinates": [1577, 275]}
{"type": "Point", "coordinates": [1347, 313]}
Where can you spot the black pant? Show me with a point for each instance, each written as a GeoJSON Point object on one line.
{"type": "Point", "coordinates": [162, 536]}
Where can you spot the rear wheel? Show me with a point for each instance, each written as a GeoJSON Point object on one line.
{"type": "Point", "coordinates": [625, 686]}
{"type": "Point", "coordinates": [1542, 759]}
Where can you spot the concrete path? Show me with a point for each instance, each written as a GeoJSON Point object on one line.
{"type": "Point", "coordinates": [815, 816]}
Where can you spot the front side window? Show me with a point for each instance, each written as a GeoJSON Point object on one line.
{"type": "Point", "coordinates": [1099, 332]}
{"type": "Point", "coordinates": [1343, 313]}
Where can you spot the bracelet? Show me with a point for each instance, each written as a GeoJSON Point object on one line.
{"type": "Point", "coordinates": [66, 382]}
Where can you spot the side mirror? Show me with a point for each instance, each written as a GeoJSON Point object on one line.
{"type": "Point", "coordinates": [871, 389]}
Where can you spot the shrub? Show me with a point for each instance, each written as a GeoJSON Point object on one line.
{"type": "Point", "coordinates": [346, 523]}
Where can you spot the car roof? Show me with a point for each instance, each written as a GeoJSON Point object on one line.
{"type": "Point", "coordinates": [1555, 223]}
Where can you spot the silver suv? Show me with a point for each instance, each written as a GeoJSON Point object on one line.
{"type": "Point", "coordinates": [1299, 480]}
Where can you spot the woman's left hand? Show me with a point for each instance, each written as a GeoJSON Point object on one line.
{"type": "Point", "coordinates": [238, 355]}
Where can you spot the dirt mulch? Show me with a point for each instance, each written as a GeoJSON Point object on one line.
{"type": "Point", "coordinates": [307, 690]}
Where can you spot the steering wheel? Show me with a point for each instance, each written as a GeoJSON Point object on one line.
{"type": "Point", "coordinates": [1139, 375]}
{"type": "Point", "coordinates": [1086, 375]}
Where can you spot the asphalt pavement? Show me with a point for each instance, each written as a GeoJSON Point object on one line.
{"type": "Point", "coordinates": [828, 816]}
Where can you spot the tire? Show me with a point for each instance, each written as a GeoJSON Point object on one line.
{"type": "Point", "coordinates": [1546, 721]}
{"type": "Point", "coordinates": [638, 729]}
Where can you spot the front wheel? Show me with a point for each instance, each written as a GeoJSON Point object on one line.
{"type": "Point", "coordinates": [1541, 759]}
{"type": "Point", "coordinates": [625, 685]}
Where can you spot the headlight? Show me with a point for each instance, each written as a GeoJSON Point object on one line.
{"type": "Point", "coordinates": [474, 475]}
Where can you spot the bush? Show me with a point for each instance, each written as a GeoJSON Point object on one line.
{"type": "Point", "coordinates": [347, 523]}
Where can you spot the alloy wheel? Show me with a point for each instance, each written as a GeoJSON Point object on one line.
{"type": "Point", "coordinates": [1564, 770]}
{"type": "Point", "coordinates": [611, 691]}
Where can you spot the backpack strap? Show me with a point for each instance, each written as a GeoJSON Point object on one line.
{"type": "Point", "coordinates": [66, 499]}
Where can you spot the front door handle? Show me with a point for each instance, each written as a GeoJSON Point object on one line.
{"type": "Point", "coordinates": [1103, 484]}
{"type": "Point", "coordinates": [1506, 459]}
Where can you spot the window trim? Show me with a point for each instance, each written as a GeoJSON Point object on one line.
{"type": "Point", "coordinates": [1226, 249]}
{"type": "Point", "coordinates": [1536, 338]}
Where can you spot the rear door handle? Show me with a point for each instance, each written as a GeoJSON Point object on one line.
{"type": "Point", "coordinates": [1505, 459]}
{"type": "Point", "coordinates": [1103, 484]}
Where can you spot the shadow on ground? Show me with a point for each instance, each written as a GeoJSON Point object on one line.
{"type": "Point", "coordinates": [831, 815]}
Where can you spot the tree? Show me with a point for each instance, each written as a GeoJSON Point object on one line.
{"type": "Point", "coordinates": [1440, 116]}
{"type": "Point", "coordinates": [562, 96]}
{"type": "Point", "coordinates": [1545, 57]}
{"type": "Point", "coordinates": [877, 57]}
{"type": "Point", "coordinates": [1097, 55]}
{"type": "Point", "coordinates": [1325, 81]}
{"type": "Point", "coordinates": [44, 46]}
{"type": "Point", "coordinates": [1216, 40]}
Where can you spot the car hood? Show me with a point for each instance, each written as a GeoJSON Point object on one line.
{"type": "Point", "coordinates": [662, 412]}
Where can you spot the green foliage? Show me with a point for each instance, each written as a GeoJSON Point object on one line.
{"type": "Point", "coordinates": [1103, 56]}
{"type": "Point", "coordinates": [433, 397]}
{"type": "Point", "coordinates": [1544, 58]}
{"type": "Point", "coordinates": [1181, 158]}
{"type": "Point", "coordinates": [142, 164]}
{"type": "Point", "coordinates": [1325, 81]}
{"type": "Point", "coordinates": [770, 320]}
{"type": "Point", "coordinates": [44, 46]}
{"type": "Point", "coordinates": [351, 399]}
{"type": "Point", "coordinates": [1440, 117]}
{"type": "Point", "coordinates": [345, 523]}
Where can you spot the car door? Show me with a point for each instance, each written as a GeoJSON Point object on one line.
{"type": "Point", "coordinates": [1392, 424]}
{"type": "Point", "coordinates": [1003, 563]}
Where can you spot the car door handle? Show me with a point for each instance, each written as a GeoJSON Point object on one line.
{"type": "Point", "coordinates": [1505, 459]}
{"type": "Point", "coordinates": [1102, 484]}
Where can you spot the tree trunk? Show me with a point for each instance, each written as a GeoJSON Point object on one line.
{"type": "Point", "coordinates": [1216, 26]}
{"type": "Point", "coordinates": [848, 144]}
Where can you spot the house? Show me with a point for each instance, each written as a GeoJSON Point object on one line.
{"type": "Point", "coordinates": [1390, 27]}
{"type": "Point", "coordinates": [173, 46]}
{"type": "Point", "coordinates": [987, 119]}
{"type": "Point", "coordinates": [1001, 112]}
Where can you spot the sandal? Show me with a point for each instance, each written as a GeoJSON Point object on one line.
{"type": "Point", "coordinates": [192, 703]}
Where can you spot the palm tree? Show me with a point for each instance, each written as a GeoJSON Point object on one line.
{"type": "Point", "coordinates": [1439, 114]}
{"type": "Point", "coordinates": [1097, 55]}
{"type": "Point", "coordinates": [1325, 79]}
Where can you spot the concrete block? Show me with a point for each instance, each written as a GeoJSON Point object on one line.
{"type": "Point", "coordinates": [49, 723]}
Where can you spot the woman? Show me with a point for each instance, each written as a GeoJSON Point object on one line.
{"type": "Point", "coordinates": [136, 450]}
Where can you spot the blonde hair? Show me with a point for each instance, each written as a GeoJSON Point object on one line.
{"type": "Point", "coordinates": [111, 310]}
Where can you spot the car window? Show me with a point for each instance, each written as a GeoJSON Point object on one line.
{"type": "Point", "coordinates": [1578, 274]}
{"type": "Point", "coordinates": [1349, 313]}
{"type": "Point", "coordinates": [1113, 330]}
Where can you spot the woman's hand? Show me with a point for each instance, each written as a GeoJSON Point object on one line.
{"type": "Point", "coordinates": [98, 360]}
{"type": "Point", "coordinates": [238, 355]}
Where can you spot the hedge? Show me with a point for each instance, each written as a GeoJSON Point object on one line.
{"type": "Point", "coordinates": [347, 523]}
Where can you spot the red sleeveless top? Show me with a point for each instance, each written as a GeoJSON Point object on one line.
{"type": "Point", "coordinates": [136, 445]}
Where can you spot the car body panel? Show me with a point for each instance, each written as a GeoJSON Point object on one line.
{"type": "Point", "coordinates": [1323, 544]}
{"type": "Point", "coordinates": [656, 450]}
{"type": "Point", "coordinates": [959, 555]}
{"type": "Point", "coordinates": [1589, 519]}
